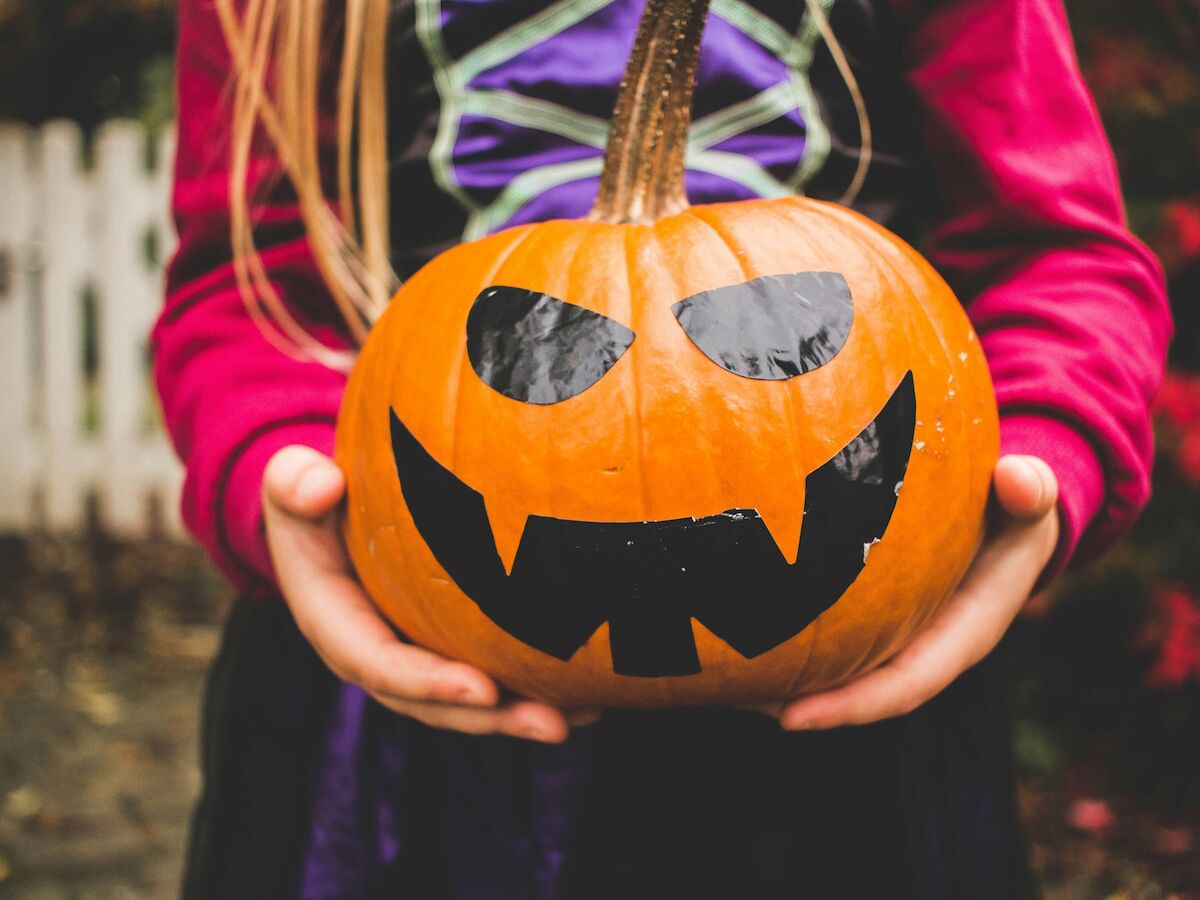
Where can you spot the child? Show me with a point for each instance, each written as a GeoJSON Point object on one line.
{"type": "Point", "coordinates": [984, 142]}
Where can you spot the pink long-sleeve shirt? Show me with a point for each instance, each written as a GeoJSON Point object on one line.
{"type": "Point", "coordinates": [1026, 224]}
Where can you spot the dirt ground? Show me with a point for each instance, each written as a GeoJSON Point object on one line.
{"type": "Point", "coordinates": [103, 652]}
{"type": "Point", "coordinates": [99, 706]}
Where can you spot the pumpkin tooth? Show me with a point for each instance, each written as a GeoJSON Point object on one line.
{"type": "Point", "coordinates": [507, 530]}
{"type": "Point", "coordinates": [784, 521]}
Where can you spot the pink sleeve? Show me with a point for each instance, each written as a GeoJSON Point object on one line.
{"type": "Point", "coordinates": [229, 397]}
{"type": "Point", "coordinates": [1070, 307]}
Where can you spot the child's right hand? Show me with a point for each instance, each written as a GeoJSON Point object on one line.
{"type": "Point", "coordinates": [302, 490]}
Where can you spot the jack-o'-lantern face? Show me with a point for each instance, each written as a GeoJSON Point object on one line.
{"type": "Point", "coordinates": [649, 579]}
{"type": "Point", "coordinates": [692, 461]}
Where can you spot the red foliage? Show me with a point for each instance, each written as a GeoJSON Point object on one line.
{"type": "Point", "coordinates": [1187, 456]}
{"type": "Point", "coordinates": [1173, 629]}
{"type": "Point", "coordinates": [1178, 409]}
{"type": "Point", "coordinates": [1178, 240]}
{"type": "Point", "coordinates": [1092, 816]}
{"type": "Point", "coordinates": [1173, 841]}
{"type": "Point", "coordinates": [1178, 400]}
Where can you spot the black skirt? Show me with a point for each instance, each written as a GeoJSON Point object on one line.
{"type": "Point", "coordinates": [303, 799]}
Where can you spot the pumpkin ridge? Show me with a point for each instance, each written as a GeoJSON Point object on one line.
{"type": "Point", "coordinates": [734, 245]}
{"type": "Point", "coordinates": [854, 235]}
{"type": "Point", "coordinates": [852, 222]}
{"type": "Point", "coordinates": [862, 336]}
{"type": "Point", "coordinates": [774, 210]}
{"type": "Point", "coordinates": [692, 213]}
{"type": "Point", "coordinates": [965, 429]}
{"type": "Point", "coordinates": [803, 672]}
{"type": "Point", "coordinates": [579, 256]}
{"type": "Point", "coordinates": [462, 362]}
{"type": "Point", "coordinates": [919, 615]}
{"type": "Point", "coordinates": [870, 658]}
{"type": "Point", "coordinates": [635, 380]}
{"type": "Point", "coordinates": [549, 243]}
{"type": "Point", "coordinates": [919, 298]}
{"type": "Point", "coordinates": [453, 637]}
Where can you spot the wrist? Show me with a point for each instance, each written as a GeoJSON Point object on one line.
{"type": "Point", "coordinates": [1076, 467]}
{"type": "Point", "coordinates": [238, 500]}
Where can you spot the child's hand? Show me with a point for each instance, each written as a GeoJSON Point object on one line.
{"type": "Point", "coordinates": [1019, 544]}
{"type": "Point", "coordinates": [301, 491]}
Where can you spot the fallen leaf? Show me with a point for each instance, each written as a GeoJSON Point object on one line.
{"type": "Point", "coordinates": [1092, 816]}
{"type": "Point", "coordinates": [1173, 841]}
{"type": "Point", "coordinates": [23, 803]}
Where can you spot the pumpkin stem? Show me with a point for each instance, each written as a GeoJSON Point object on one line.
{"type": "Point", "coordinates": [644, 159]}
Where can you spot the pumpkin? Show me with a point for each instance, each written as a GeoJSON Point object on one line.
{"type": "Point", "coordinates": [668, 455]}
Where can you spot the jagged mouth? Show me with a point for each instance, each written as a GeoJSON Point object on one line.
{"type": "Point", "coordinates": [648, 580]}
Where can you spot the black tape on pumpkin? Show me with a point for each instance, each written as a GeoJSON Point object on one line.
{"type": "Point", "coordinates": [772, 328]}
{"type": "Point", "coordinates": [648, 580]}
{"type": "Point", "coordinates": [538, 349]}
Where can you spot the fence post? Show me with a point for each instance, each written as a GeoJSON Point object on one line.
{"type": "Point", "coordinates": [16, 333]}
{"type": "Point", "coordinates": [167, 468]}
{"type": "Point", "coordinates": [119, 275]}
{"type": "Point", "coordinates": [66, 253]}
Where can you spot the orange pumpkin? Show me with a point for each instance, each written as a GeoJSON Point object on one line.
{"type": "Point", "coordinates": [669, 455]}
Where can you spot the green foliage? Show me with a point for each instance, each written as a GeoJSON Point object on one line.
{"type": "Point", "coordinates": [1139, 58]}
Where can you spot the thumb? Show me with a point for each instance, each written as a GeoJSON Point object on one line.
{"type": "Point", "coordinates": [1025, 487]}
{"type": "Point", "coordinates": [303, 482]}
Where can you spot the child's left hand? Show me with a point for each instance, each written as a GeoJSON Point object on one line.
{"type": "Point", "coordinates": [1019, 543]}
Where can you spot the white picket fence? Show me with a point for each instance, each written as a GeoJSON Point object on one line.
{"type": "Point", "coordinates": [81, 257]}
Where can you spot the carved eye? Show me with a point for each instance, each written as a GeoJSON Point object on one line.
{"type": "Point", "coordinates": [537, 349]}
{"type": "Point", "coordinates": [771, 328]}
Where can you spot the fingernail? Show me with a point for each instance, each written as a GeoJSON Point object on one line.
{"type": "Point", "coordinates": [1041, 481]}
{"type": "Point", "coordinates": [469, 695]}
{"type": "Point", "coordinates": [308, 484]}
{"type": "Point", "coordinates": [539, 731]}
{"type": "Point", "coordinates": [800, 726]}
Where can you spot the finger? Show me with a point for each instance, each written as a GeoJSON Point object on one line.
{"type": "Point", "coordinates": [516, 718]}
{"type": "Point", "coordinates": [348, 633]}
{"type": "Point", "coordinates": [969, 626]}
{"type": "Point", "coordinates": [1024, 486]}
{"type": "Point", "coordinates": [346, 630]}
{"type": "Point", "coordinates": [404, 671]}
{"type": "Point", "coordinates": [303, 482]}
{"type": "Point", "coordinates": [577, 718]}
{"type": "Point", "coordinates": [771, 709]}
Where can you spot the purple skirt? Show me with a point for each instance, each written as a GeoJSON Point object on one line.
{"type": "Point", "coordinates": [314, 791]}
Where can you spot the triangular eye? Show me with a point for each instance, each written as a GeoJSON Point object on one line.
{"type": "Point", "coordinates": [771, 328]}
{"type": "Point", "coordinates": [537, 349]}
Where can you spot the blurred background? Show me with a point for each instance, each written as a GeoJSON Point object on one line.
{"type": "Point", "coordinates": [108, 618]}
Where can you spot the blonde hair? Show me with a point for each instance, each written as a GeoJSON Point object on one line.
{"type": "Point", "coordinates": [276, 48]}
